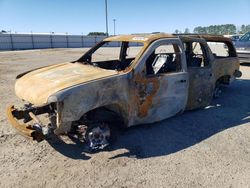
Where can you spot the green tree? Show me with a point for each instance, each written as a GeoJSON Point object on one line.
{"type": "Point", "coordinates": [187, 31]}
{"type": "Point", "coordinates": [177, 31]}
{"type": "Point", "coordinates": [247, 28]}
{"type": "Point", "coordinates": [216, 29]}
{"type": "Point", "coordinates": [244, 29]}
{"type": "Point", "coordinates": [200, 30]}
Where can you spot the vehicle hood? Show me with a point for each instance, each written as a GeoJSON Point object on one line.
{"type": "Point", "coordinates": [36, 86]}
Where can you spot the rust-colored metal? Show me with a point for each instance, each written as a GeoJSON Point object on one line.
{"type": "Point", "coordinates": [35, 118]}
{"type": "Point", "coordinates": [142, 98]}
{"type": "Point", "coordinates": [143, 38]}
{"type": "Point", "coordinates": [23, 129]}
{"type": "Point", "coordinates": [212, 38]}
{"type": "Point", "coordinates": [38, 85]}
{"type": "Point", "coordinates": [203, 80]}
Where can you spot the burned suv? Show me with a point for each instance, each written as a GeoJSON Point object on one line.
{"type": "Point", "coordinates": [124, 80]}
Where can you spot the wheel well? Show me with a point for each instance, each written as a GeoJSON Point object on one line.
{"type": "Point", "coordinates": [112, 114]}
{"type": "Point", "coordinates": [224, 80]}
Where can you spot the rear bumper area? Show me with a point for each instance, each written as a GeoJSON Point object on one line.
{"type": "Point", "coordinates": [23, 129]}
{"type": "Point", "coordinates": [244, 56]}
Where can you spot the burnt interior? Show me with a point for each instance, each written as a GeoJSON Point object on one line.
{"type": "Point", "coordinates": [193, 58]}
{"type": "Point", "coordinates": [121, 63]}
{"type": "Point", "coordinates": [171, 61]}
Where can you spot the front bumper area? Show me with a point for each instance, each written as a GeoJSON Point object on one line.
{"type": "Point", "coordinates": [27, 130]}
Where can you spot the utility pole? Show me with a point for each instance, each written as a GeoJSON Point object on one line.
{"type": "Point", "coordinates": [106, 11]}
{"type": "Point", "coordinates": [114, 25]}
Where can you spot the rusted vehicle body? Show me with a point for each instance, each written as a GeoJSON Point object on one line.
{"type": "Point", "coordinates": [152, 77]}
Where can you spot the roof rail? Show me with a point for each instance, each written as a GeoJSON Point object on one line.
{"type": "Point", "coordinates": [194, 34]}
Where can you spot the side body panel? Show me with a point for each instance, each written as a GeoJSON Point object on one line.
{"type": "Point", "coordinates": [226, 67]}
{"type": "Point", "coordinates": [201, 80]}
{"type": "Point", "coordinates": [201, 87]}
{"type": "Point", "coordinates": [160, 96]}
{"type": "Point", "coordinates": [78, 100]}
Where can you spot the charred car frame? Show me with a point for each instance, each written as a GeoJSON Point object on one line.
{"type": "Point", "coordinates": [166, 75]}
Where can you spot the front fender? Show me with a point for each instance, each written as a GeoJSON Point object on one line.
{"type": "Point", "coordinates": [78, 100]}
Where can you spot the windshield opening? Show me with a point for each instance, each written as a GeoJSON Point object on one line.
{"type": "Point", "coordinates": [112, 55]}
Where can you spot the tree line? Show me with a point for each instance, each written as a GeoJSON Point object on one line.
{"type": "Point", "coordinates": [225, 29]}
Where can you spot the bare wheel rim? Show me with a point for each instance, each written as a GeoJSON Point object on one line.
{"type": "Point", "coordinates": [98, 136]}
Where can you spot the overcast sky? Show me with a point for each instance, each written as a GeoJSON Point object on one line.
{"type": "Point", "coordinates": [133, 16]}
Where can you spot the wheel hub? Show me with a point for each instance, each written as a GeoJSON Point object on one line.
{"type": "Point", "coordinates": [98, 137]}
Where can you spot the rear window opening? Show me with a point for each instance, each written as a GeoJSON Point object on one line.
{"type": "Point", "coordinates": [222, 49]}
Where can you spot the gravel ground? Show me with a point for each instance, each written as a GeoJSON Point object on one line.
{"type": "Point", "coordinates": [201, 148]}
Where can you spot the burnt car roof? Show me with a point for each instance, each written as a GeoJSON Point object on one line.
{"type": "Point", "coordinates": [207, 37]}
{"type": "Point", "coordinates": [143, 38]}
{"type": "Point", "coordinates": [148, 38]}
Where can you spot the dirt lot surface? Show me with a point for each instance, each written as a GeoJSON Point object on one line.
{"type": "Point", "coordinates": [208, 147]}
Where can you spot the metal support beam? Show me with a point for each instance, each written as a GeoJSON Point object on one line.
{"type": "Point", "coordinates": [106, 11]}
{"type": "Point", "coordinates": [114, 25]}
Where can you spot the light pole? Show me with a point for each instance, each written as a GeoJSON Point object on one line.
{"type": "Point", "coordinates": [106, 11]}
{"type": "Point", "coordinates": [114, 25]}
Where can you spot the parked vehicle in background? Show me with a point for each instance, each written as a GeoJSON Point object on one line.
{"type": "Point", "coordinates": [235, 38]}
{"type": "Point", "coordinates": [243, 48]}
